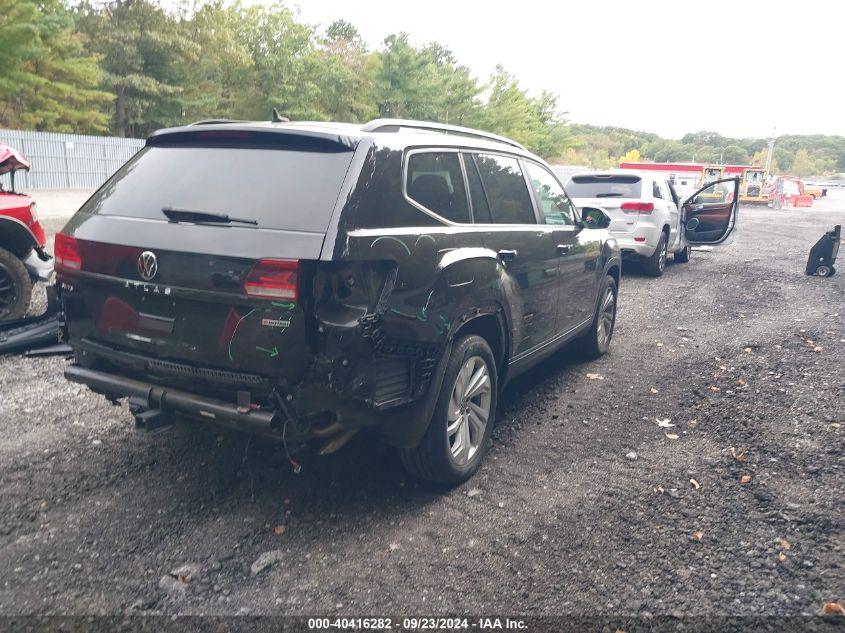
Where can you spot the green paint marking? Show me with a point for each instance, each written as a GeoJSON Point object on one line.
{"type": "Point", "coordinates": [287, 306]}
{"type": "Point", "coordinates": [392, 239]}
{"type": "Point", "coordinates": [423, 316]}
{"type": "Point", "coordinates": [271, 352]}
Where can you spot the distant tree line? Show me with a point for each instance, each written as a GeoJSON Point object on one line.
{"type": "Point", "coordinates": [798, 155]}
{"type": "Point", "coordinates": [128, 67]}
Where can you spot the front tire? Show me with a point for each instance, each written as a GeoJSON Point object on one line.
{"type": "Point", "coordinates": [15, 287]}
{"type": "Point", "coordinates": [656, 264]}
{"type": "Point", "coordinates": [596, 341]}
{"type": "Point", "coordinates": [458, 434]}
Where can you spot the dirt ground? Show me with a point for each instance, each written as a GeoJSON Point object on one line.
{"type": "Point", "coordinates": [585, 504]}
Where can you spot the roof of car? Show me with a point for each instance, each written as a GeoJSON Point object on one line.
{"type": "Point", "coordinates": [614, 172]}
{"type": "Point", "coordinates": [405, 132]}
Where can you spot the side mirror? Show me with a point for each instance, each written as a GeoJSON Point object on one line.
{"type": "Point", "coordinates": [594, 218]}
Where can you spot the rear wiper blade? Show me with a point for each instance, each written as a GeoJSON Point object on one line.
{"type": "Point", "coordinates": [608, 195]}
{"type": "Point", "coordinates": [193, 215]}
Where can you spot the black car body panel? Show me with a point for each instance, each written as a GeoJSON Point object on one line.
{"type": "Point", "coordinates": [381, 291]}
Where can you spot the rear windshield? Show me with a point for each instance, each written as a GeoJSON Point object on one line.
{"type": "Point", "coordinates": [291, 189]}
{"type": "Point", "coordinates": [599, 186]}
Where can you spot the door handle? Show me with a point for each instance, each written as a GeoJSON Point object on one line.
{"type": "Point", "coordinates": [508, 255]}
{"type": "Point", "coordinates": [563, 249]}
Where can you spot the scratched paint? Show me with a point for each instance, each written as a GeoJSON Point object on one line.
{"type": "Point", "coordinates": [235, 331]}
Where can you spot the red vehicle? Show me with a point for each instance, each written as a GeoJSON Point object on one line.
{"type": "Point", "coordinates": [23, 260]}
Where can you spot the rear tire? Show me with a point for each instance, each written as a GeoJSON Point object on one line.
{"type": "Point", "coordinates": [596, 341]}
{"type": "Point", "coordinates": [456, 440]}
{"type": "Point", "coordinates": [682, 256]}
{"type": "Point", "coordinates": [656, 264]}
{"type": "Point", "coordinates": [15, 287]}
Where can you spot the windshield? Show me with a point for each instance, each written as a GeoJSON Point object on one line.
{"type": "Point", "coordinates": [291, 189]}
{"type": "Point", "coordinates": [602, 186]}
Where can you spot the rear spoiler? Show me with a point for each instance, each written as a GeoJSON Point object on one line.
{"type": "Point", "coordinates": [240, 135]}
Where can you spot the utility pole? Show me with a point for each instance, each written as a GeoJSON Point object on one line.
{"type": "Point", "coordinates": [769, 154]}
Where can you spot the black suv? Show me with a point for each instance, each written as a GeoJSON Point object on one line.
{"type": "Point", "coordinates": [307, 280]}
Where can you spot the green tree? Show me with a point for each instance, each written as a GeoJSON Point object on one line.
{"type": "Point", "coordinates": [346, 79]}
{"type": "Point", "coordinates": [286, 63]}
{"type": "Point", "coordinates": [802, 165]}
{"type": "Point", "coordinates": [734, 155]}
{"type": "Point", "coordinates": [404, 85]}
{"type": "Point", "coordinates": [784, 158]}
{"type": "Point", "coordinates": [511, 112]}
{"type": "Point", "coordinates": [47, 80]}
{"type": "Point", "coordinates": [140, 46]}
{"type": "Point", "coordinates": [215, 75]}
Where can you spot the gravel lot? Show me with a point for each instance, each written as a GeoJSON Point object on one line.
{"type": "Point", "coordinates": [585, 504]}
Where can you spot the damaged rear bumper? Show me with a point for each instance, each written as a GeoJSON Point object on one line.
{"type": "Point", "coordinates": [314, 409]}
{"type": "Point", "coordinates": [39, 265]}
{"type": "Point", "coordinates": [154, 397]}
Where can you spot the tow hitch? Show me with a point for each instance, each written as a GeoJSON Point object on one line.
{"type": "Point", "coordinates": [152, 421]}
{"type": "Point", "coordinates": [37, 335]}
{"type": "Point", "coordinates": [823, 254]}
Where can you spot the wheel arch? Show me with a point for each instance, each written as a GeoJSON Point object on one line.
{"type": "Point", "coordinates": [491, 328]}
{"type": "Point", "coordinates": [15, 237]}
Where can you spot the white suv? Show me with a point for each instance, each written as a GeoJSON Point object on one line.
{"type": "Point", "coordinates": [644, 210]}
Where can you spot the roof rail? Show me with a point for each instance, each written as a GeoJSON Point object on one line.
{"type": "Point", "coordinates": [216, 121]}
{"type": "Point", "coordinates": [393, 125]}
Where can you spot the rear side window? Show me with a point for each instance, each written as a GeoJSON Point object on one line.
{"type": "Point", "coordinates": [435, 181]}
{"type": "Point", "coordinates": [555, 206]}
{"type": "Point", "coordinates": [291, 189]}
{"type": "Point", "coordinates": [507, 193]}
{"type": "Point", "coordinates": [604, 186]}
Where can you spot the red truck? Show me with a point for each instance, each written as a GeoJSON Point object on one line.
{"type": "Point", "coordinates": [23, 260]}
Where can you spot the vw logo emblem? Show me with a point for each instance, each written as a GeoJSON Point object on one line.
{"type": "Point", "coordinates": [147, 265]}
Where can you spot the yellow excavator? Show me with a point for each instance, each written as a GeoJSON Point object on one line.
{"type": "Point", "coordinates": [712, 173]}
{"type": "Point", "coordinates": [752, 186]}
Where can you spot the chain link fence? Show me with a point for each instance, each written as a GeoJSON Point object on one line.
{"type": "Point", "coordinates": [67, 161]}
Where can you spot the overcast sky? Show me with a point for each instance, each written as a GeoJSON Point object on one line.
{"type": "Point", "coordinates": [737, 67]}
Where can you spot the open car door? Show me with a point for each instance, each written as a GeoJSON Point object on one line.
{"type": "Point", "coordinates": [709, 215]}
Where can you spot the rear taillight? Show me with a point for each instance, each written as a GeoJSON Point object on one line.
{"type": "Point", "coordinates": [67, 252]}
{"type": "Point", "coordinates": [638, 207]}
{"type": "Point", "coordinates": [273, 279]}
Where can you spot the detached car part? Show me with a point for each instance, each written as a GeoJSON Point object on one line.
{"type": "Point", "coordinates": [39, 332]}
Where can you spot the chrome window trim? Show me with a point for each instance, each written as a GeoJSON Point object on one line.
{"type": "Point", "coordinates": [469, 150]}
{"type": "Point", "coordinates": [432, 150]}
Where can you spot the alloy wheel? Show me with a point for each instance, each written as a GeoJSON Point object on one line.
{"type": "Point", "coordinates": [606, 318]}
{"type": "Point", "coordinates": [469, 410]}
